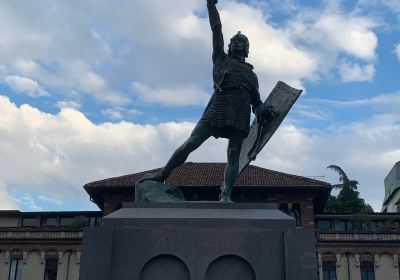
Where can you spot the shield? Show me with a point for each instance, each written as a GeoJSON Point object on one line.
{"type": "Point", "coordinates": [281, 100]}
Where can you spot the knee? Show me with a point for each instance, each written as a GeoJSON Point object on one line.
{"type": "Point", "coordinates": [190, 144]}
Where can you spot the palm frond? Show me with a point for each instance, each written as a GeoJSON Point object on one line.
{"type": "Point", "coordinates": [353, 184]}
{"type": "Point", "coordinates": [342, 175]}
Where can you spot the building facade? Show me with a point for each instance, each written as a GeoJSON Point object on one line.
{"type": "Point", "coordinates": [391, 203]}
{"type": "Point", "coordinates": [358, 247]}
{"type": "Point", "coordinates": [46, 245]}
{"type": "Point", "coordinates": [42, 245]}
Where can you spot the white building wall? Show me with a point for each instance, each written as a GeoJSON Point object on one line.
{"type": "Point", "coordinates": [68, 266]}
{"type": "Point", "coordinates": [354, 268]}
{"type": "Point", "coordinates": [4, 268]}
{"type": "Point", "coordinates": [74, 266]}
{"type": "Point", "coordinates": [391, 205]}
{"type": "Point", "coordinates": [386, 269]}
{"type": "Point", "coordinates": [341, 267]}
{"type": "Point", "coordinates": [33, 269]}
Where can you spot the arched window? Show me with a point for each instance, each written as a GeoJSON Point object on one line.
{"type": "Point", "coordinates": [295, 212]}
{"type": "Point", "coordinates": [284, 208]}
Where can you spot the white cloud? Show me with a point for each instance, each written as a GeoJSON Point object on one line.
{"type": "Point", "coordinates": [6, 201]}
{"type": "Point", "coordinates": [68, 143]}
{"type": "Point", "coordinates": [388, 102]}
{"type": "Point", "coordinates": [26, 200]}
{"type": "Point", "coordinates": [353, 72]}
{"type": "Point", "coordinates": [397, 51]}
{"type": "Point", "coordinates": [119, 113]}
{"type": "Point", "coordinates": [95, 85]}
{"type": "Point", "coordinates": [49, 199]}
{"type": "Point", "coordinates": [272, 51]}
{"type": "Point", "coordinates": [114, 114]}
{"type": "Point", "coordinates": [312, 112]}
{"type": "Point", "coordinates": [68, 104]}
{"type": "Point", "coordinates": [348, 33]}
{"type": "Point", "coordinates": [367, 150]}
{"type": "Point", "coordinates": [181, 96]}
{"type": "Point", "coordinates": [26, 67]}
{"type": "Point", "coordinates": [40, 151]}
{"type": "Point", "coordinates": [97, 50]}
{"type": "Point", "coordinates": [133, 113]}
{"type": "Point", "coordinates": [25, 85]}
{"type": "Point", "coordinates": [393, 5]}
{"type": "Point", "coordinates": [72, 79]}
{"type": "Point", "coordinates": [331, 34]}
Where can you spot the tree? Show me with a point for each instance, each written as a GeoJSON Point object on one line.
{"type": "Point", "coordinates": [80, 222]}
{"type": "Point", "coordinates": [348, 200]}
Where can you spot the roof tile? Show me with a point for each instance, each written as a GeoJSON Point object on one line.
{"type": "Point", "coordinates": [211, 174]}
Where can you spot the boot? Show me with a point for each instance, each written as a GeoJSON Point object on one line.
{"type": "Point", "coordinates": [225, 195]}
{"type": "Point", "coordinates": [158, 177]}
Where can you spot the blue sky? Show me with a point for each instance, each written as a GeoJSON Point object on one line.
{"type": "Point", "coordinates": [99, 89]}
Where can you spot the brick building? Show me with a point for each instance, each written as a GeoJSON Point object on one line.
{"type": "Point", "coordinates": [46, 245]}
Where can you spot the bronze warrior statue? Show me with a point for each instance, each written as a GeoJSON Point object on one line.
{"type": "Point", "coordinates": [228, 112]}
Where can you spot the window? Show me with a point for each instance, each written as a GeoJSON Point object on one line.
{"type": "Point", "coordinates": [373, 226]}
{"type": "Point", "coordinates": [15, 270]}
{"type": "Point", "coordinates": [329, 270]}
{"type": "Point", "coordinates": [344, 225]}
{"type": "Point", "coordinates": [324, 224]}
{"type": "Point", "coordinates": [51, 221]}
{"type": "Point", "coordinates": [295, 213]}
{"type": "Point", "coordinates": [95, 221]}
{"type": "Point", "coordinates": [367, 271]}
{"type": "Point", "coordinates": [50, 271]}
{"type": "Point", "coordinates": [349, 226]}
{"type": "Point", "coordinates": [66, 221]}
{"type": "Point", "coordinates": [29, 222]}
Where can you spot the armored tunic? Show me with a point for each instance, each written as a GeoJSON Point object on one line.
{"type": "Point", "coordinates": [235, 88]}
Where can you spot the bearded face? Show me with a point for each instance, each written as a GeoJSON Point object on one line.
{"type": "Point", "coordinates": [239, 46]}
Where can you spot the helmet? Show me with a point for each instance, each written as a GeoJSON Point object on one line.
{"type": "Point", "coordinates": [240, 36]}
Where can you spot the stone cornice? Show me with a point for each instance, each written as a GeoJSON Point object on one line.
{"type": "Point", "coordinates": [11, 235]}
{"type": "Point", "coordinates": [358, 237]}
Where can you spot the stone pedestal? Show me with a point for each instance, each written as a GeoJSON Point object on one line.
{"type": "Point", "coordinates": [198, 241]}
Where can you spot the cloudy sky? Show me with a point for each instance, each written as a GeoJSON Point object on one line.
{"type": "Point", "coordinates": [96, 89]}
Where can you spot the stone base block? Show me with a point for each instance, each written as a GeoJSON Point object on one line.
{"type": "Point", "coordinates": [199, 241]}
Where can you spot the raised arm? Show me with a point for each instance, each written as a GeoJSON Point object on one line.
{"type": "Point", "coordinates": [216, 27]}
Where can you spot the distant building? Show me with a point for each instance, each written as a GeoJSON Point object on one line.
{"type": "Point", "coordinates": [391, 203]}
{"type": "Point", "coordinates": [42, 245]}
{"type": "Point", "coordinates": [358, 247]}
{"type": "Point", "coordinates": [46, 245]}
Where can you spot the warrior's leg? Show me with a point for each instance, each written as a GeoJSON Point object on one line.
{"type": "Point", "coordinates": [200, 134]}
{"type": "Point", "coordinates": [232, 167]}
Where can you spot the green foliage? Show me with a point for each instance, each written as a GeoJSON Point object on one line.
{"type": "Point", "coordinates": [360, 221]}
{"type": "Point", "coordinates": [348, 200]}
{"type": "Point", "coordinates": [346, 182]}
{"type": "Point", "coordinates": [386, 226]}
{"type": "Point", "coordinates": [80, 222]}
